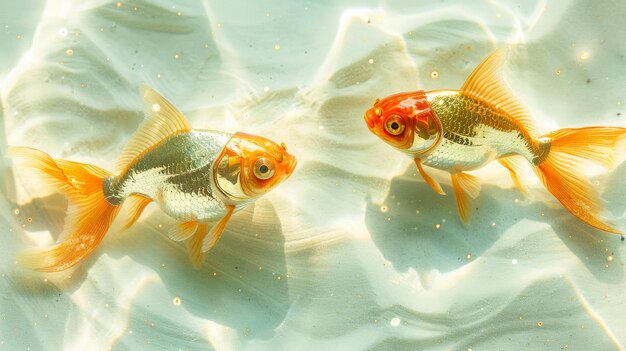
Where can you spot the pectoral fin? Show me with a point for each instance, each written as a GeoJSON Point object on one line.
{"type": "Point", "coordinates": [182, 231]}
{"type": "Point", "coordinates": [194, 245]}
{"type": "Point", "coordinates": [430, 181]}
{"type": "Point", "coordinates": [203, 239]}
{"type": "Point", "coordinates": [216, 232]}
{"type": "Point", "coordinates": [466, 188]}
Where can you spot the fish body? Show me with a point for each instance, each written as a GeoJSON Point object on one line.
{"type": "Point", "coordinates": [462, 130]}
{"type": "Point", "coordinates": [197, 177]}
{"type": "Point", "coordinates": [476, 133]}
{"type": "Point", "coordinates": [178, 175]}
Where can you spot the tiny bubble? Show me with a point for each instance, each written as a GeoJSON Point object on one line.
{"type": "Point", "coordinates": [371, 61]}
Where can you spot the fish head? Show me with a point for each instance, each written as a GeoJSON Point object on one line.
{"type": "Point", "coordinates": [406, 122]}
{"type": "Point", "coordinates": [250, 166]}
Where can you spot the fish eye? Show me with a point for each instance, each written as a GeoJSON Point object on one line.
{"type": "Point", "coordinates": [263, 168]}
{"type": "Point", "coordinates": [394, 125]}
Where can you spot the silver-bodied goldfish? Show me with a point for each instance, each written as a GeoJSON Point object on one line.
{"type": "Point", "coordinates": [462, 130]}
{"type": "Point", "coordinates": [197, 177]}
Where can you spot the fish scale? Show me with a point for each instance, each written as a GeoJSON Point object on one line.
{"type": "Point", "coordinates": [474, 133]}
{"type": "Point", "coordinates": [178, 174]}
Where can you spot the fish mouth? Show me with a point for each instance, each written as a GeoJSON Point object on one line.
{"type": "Point", "coordinates": [290, 164]}
{"type": "Point", "coordinates": [370, 119]}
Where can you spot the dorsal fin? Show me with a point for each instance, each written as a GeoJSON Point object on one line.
{"type": "Point", "coordinates": [486, 83]}
{"type": "Point", "coordinates": [163, 120]}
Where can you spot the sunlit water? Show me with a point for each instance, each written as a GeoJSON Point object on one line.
{"type": "Point", "coordinates": [355, 251]}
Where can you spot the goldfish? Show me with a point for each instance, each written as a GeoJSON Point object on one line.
{"type": "Point", "coordinates": [463, 130]}
{"type": "Point", "coordinates": [198, 177]}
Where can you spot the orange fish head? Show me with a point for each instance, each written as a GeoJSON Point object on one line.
{"type": "Point", "coordinates": [406, 122]}
{"type": "Point", "coordinates": [250, 166]}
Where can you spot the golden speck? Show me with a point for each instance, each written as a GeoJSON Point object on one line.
{"type": "Point", "coordinates": [177, 56]}
{"type": "Point", "coordinates": [119, 4]}
{"type": "Point", "coordinates": [584, 55]}
{"type": "Point", "coordinates": [469, 256]}
{"type": "Point", "coordinates": [179, 13]}
{"type": "Point", "coordinates": [177, 301]}
{"type": "Point", "coordinates": [417, 211]}
{"type": "Point", "coordinates": [102, 29]}
{"type": "Point", "coordinates": [16, 211]}
{"type": "Point", "coordinates": [152, 325]}
{"type": "Point", "coordinates": [498, 15]}
{"type": "Point", "coordinates": [156, 108]}
{"type": "Point", "coordinates": [69, 52]}
{"type": "Point", "coordinates": [266, 88]}
{"type": "Point", "coordinates": [276, 46]}
{"type": "Point", "coordinates": [135, 8]}
{"type": "Point", "coordinates": [520, 318]}
{"type": "Point", "coordinates": [260, 268]}
{"type": "Point", "coordinates": [370, 61]}
{"type": "Point", "coordinates": [610, 258]}
{"type": "Point", "coordinates": [162, 265]}
{"type": "Point", "coordinates": [29, 219]}
{"type": "Point", "coordinates": [159, 75]}
{"type": "Point", "coordinates": [383, 208]}
{"type": "Point", "coordinates": [540, 324]}
{"type": "Point", "coordinates": [268, 14]}
{"type": "Point", "coordinates": [278, 277]}
{"type": "Point", "coordinates": [388, 219]}
{"type": "Point", "coordinates": [215, 274]}
{"type": "Point", "coordinates": [160, 225]}
{"type": "Point", "coordinates": [516, 200]}
{"type": "Point", "coordinates": [69, 277]}
{"type": "Point", "coordinates": [130, 331]}
{"type": "Point", "coordinates": [582, 327]}
{"type": "Point", "coordinates": [219, 25]}
{"type": "Point", "coordinates": [434, 75]}
{"type": "Point", "coordinates": [557, 72]}
{"type": "Point", "coordinates": [493, 224]}
{"type": "Point", "coordinates": [45, 280]}
{"type": "Point", "coordinates": [18, 37]}
{"type": "Point", "coordinates": [437, 225]}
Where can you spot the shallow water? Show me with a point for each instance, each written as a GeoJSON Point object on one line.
{"type": "Point", "coordinates": [354, 251]}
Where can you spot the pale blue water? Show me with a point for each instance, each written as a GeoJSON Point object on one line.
{"type": "Point", "coordinates": [355, 251]}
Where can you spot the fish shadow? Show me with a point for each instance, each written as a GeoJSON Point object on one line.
{"type": "Point", "coordinates": [243, 282]}
{"type": "Point", "coordinates": [419, 229]}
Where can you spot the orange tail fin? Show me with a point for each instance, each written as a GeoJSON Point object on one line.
{"type": "Point", "coordinates": [89, 215]}
{"type": "Point", "coordinates": [562, 171]}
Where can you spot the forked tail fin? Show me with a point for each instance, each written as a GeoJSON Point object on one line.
{"type": "Point", "coordinates": [563, 172]}
{"type": "Point", "coordinates": [89, 215]}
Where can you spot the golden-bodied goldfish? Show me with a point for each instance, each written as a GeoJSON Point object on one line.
{"type": "Point", "coordinates": [195, 176]}
{"type": "Point", "coordinates": [462, 130]}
